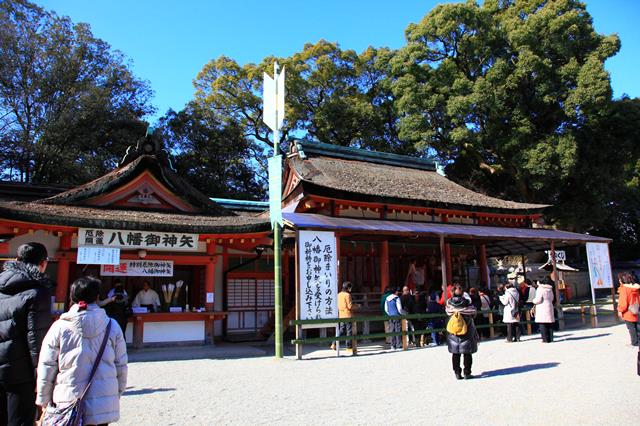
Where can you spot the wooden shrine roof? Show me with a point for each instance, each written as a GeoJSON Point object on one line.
{"type": "Point", "coordinates": [359, 175]}
{"type": "Point", "coordinates": [124, 174]}
{"type": "Point", "coordinates": [80, 216]}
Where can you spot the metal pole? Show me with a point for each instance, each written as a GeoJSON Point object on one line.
{"type": "Point", "coordinates": [277, 267]}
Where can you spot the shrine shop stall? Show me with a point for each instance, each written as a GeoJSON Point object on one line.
{"type": "Point", "coordinates": [208, 260]}
{"type": "Point", "coordinates": [379, 219]}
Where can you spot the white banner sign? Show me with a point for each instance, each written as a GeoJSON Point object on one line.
{"type": "Point", "coordinates": [98, 256]}
{"type": "Point", "coordinates": [318, 275]}
{"type": "Point", "coordinates": [599, 265]}
{"type": "Point", "coordinates": [139, 268]}
{"type": "Point", "coordinates": [138, 239]}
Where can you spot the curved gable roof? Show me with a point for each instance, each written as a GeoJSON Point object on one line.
{"type": "Point", "coordinates": [120, 176]}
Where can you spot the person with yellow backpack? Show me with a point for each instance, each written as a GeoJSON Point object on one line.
{"type": "Point", "coordinates": [462, 336]}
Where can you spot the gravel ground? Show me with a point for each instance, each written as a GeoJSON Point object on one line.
{"type": "Point", "coordinates": [587, 376]}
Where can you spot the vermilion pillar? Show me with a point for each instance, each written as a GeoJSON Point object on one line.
{"type": "Point", "coordinates": [484, 271]}
{"type": "Point", "coordinates": [62, 277]}
{"type": "Point", "coordinates": [384, 265]}
{"type": "Point", "coordinates": [443, 267]}
{"type": "Point", "coordinates": [447, 250]}
{"type": "Point", "coordinates": [210, 274]}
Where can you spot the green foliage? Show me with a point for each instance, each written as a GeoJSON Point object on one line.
{"type": "Point", "coordinates": [514, 96]}
{"type": "Point", "coordinates": [69, 106]}
{"type": "Point", "coordinates": [212, 155]}
{"type": "Point", "coordinates": [333, 95]}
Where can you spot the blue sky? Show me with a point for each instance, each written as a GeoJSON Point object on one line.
{"type": "Point", "coordinates": [168, 42]}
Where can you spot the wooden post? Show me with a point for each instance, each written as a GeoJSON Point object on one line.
{"type": "Point", "coordinates": [557, 290]}
{"type": "Point", "coordinates": [298, 345]}
{"type": "Point", "coordinates": [527, 316]}
{"type": "Point", "coordinates": [384, 265]}
{"type": "Point", "coordinates": [138, 331]}
{"type": "Point", "coordinates": [443, 266]}
{"type": "Point", "coordinates": [405, 336]}
{"type": "Point", "coordinates": [209, 331]}
{"type": "Point", "coordinates": [296, 260]}
{"type": "Point", "coordinates": [613, 301]}
{"type": "Point", "coordinates": [62, 276]}
{"type": "Point", "coordinates": [354, 332]}
{"type": "Point", "coordinates": [484, 273]}
{"type": "Point", "coordinates": [210, 273]}
{"type": "Point", "coordinates": [492, 332]}
{"type": "Point", "coordinates": [524, 268]}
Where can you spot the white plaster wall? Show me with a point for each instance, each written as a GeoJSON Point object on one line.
{"type": "Point", "coordinates": [173, 331]}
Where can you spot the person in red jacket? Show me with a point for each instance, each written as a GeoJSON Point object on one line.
{"type": "Point", "coordinates": [628, 305]}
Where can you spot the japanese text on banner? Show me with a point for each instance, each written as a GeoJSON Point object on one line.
{"type": "Point", "coordinates": [138, 239]}
{"type": "Point", "coordinates": [318, 275]}
{"type": "Point", "coordinates": [139, 268]}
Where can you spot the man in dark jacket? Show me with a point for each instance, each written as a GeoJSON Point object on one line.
{"type": "Point", "coordinates": [25, 317]}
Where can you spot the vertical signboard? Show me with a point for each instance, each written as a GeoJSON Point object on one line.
{"type": "Point", "coordinates": [599, 267]}
{"type": "Point", "coordinates": [318, 275]}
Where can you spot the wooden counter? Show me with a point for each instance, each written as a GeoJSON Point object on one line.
{"type": "Point", "coordinates": [174, 327]}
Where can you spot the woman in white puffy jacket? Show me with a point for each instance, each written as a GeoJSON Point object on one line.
{"type": "Point", "coordinates": [69, 351]}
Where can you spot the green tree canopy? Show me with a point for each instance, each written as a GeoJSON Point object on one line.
{"type": "Point", "coordinates": [333, 95]}
{"type": "Point", "coordinates": [212, 154]}
{"type": "Point", "coordinates": [69, 105]}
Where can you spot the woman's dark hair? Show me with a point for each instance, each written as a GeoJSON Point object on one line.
{"type": "Point", "coordinates": [347, 285]}
{"type": "Point", "coordinates": [32, 253]}
{"type": "Point", "coordinates": [85, 289]}
{"type": "Point", "coordinates": [627, 278]}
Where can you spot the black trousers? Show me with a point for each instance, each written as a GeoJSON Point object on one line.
{"type": "Point", "coordinates": [345, 329]}
{"type": "Point", "coordinates": [18, 404]}
{"type": "Point", "coordinates": [468, 360]}
{"type": "Point", "coordinates": [513, 331]}
{"type": "Point", "coordinates": [634, 332]}
{"type": "Point", "coordinates": [546, 331]}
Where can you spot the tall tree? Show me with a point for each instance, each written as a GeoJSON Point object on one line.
{"type": "Point", "coordinates": [213, 155]}
{"type": "Point", "coordinates": [69, 105]}
{"type": "Point", "coordinates": [502, 89]}
{"type": "Point", "coordinates": [333, 95]}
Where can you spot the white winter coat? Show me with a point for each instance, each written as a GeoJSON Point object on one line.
{"type": "Point", "coordinates": [67, 356]}
{"type": "Point", "coordinates": [544, 304]}
{"type": "Point", "coordinates": [510, 301]}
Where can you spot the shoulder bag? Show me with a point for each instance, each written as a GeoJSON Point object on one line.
{"type": "Point", "coordinates": [72, 414]}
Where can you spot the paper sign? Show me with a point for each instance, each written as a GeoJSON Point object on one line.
{"type": "Point", "coordinates": [138, 239]}
{"type": "Point", "coordinates": [139, 268]}
{"type": "Point", "coordinates": [599, 265]}
{"type": "Point", "coordinates": [210, 297]}
{"type": "Point", "coordinates": [318, 275]}
{"type": "Point", "coordinates": [98, 256]}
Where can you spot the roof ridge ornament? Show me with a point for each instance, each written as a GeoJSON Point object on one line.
{"type": "Point", "coordinates": [148, 145]}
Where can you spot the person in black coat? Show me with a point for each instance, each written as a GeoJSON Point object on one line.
{"type": "Point", "coordinates": [466, 344]}
{"type": "Point", "coordinates": [25, 317]}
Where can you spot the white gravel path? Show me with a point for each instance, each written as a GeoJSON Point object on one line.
{"type": "Point", "coordinates": [587, 376]}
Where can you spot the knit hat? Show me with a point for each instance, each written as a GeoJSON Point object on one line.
{"type": "Point", "coordinates": [458, 302]}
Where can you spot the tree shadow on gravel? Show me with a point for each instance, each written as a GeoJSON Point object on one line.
{"type": "Point", "coordinates": [146, 391]}
{"type": "Point", "coordinates": [518, 370]}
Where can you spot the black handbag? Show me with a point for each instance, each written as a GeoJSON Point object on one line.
{"type": "Point", "coordinates": [72, 414]}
